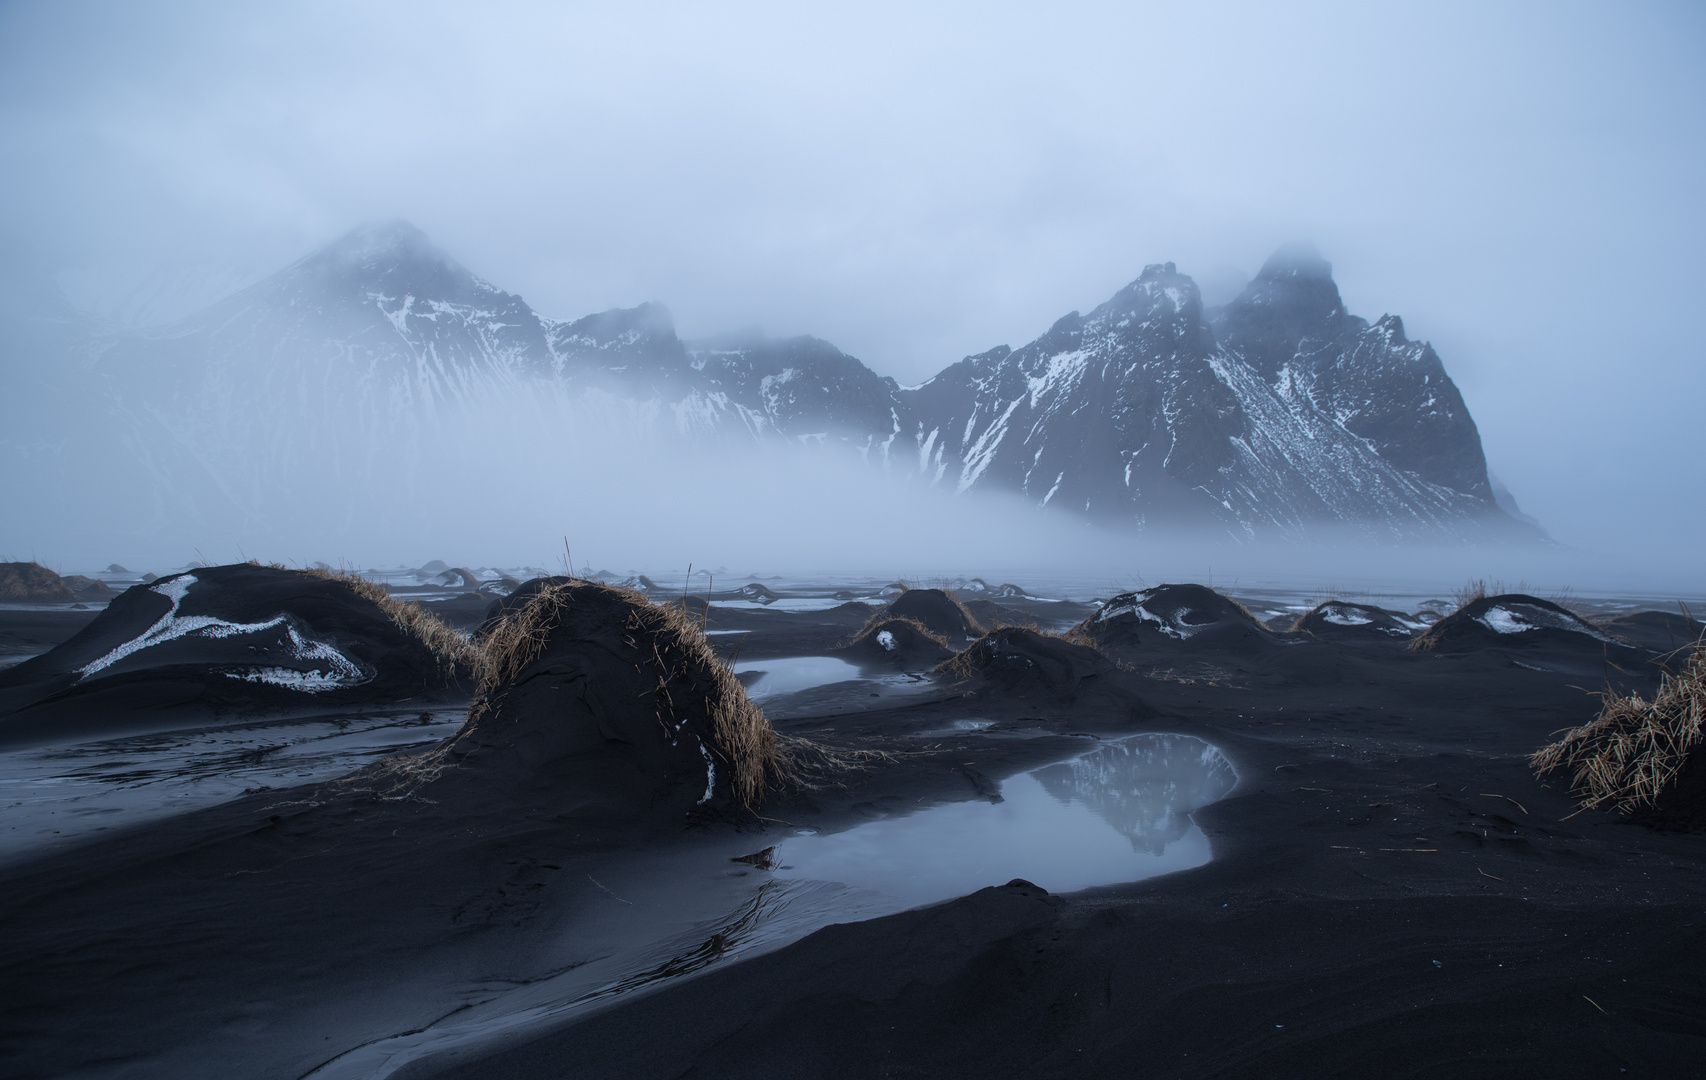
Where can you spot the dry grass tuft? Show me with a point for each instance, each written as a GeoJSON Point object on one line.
{"type": "Point", "coordinates": [965, 664]}
{"type": "Point", "coordinates": [872, 624]}
{"type": "Point", "coordinates": [739, 732]}
{"type": "Point", "coordinates": [1472, 590]}
{"type": "Point", "coordinates": [1627, 756]}
{"type": "Point", "coordinates": [431, 631]}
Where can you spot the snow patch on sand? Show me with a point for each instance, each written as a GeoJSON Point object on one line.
{"type": "Point", "coordinates": [1341, 616]}
{"type": "Point", "coordinates": [1521, 618]}
{"type": "Point", "coordinates": [340, 670]}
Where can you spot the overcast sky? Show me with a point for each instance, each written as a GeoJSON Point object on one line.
{"type": "Point", "coordinates": [1522, 182]}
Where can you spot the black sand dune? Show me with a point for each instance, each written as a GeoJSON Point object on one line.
{"type": "Point", "coordinates": [753, 591]}
{"type": "Point", "coordinates": [1660, 631]}
{"type": "Point", "coordinates": [1393, 893]}
{"type": "Point", "coordinates": [89, 589]}
{"type": "Point", "coordinates": [988, 613]}
{"type": "Point", "coordinates": [597, 702]}
{"type": "Point", "coordinates": [900, 644]}
{"type": "Point", "coordinates": [31, 632]}
{"type": "Point", "coordinates": [936, 611]}
{"type": "Point", "coordinates": [1526, 630]}
{"type": "Point", "coordinates": [232, 640]}
{"type": "Point", "coordinates": [32, 583]}
{"type": "Point", "coordinates": [1340, 620]}
{"type": "Point", "coordinates": [1020, 663]}
{"type": "Point", "coordinates": [1175, 617]}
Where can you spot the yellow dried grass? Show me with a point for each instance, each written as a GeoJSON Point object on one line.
{"type": "Point", "coordinates": [443, 642]}
{"type": "Point", "coordinates": [1627, 756]}
{"type": "Point", "coordinates": [739, 731]}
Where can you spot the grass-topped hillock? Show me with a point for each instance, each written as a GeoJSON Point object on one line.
{"type": "Point", "coordinates": [1639, 752]}
{"type": "Point", "coordinates": [593, 689]}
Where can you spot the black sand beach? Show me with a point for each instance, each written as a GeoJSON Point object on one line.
{"type": "Point", "coordinates": [1392, 891]}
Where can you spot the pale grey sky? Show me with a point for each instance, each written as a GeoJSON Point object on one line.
{"type": "Point", "coordinates": [917, 182]}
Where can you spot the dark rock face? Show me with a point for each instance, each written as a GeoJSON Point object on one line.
{"type": "Point", "coordinates": [1021, 662]}
{"type": "Point", "coordinates": [938, 612]}
{"type": "Point", "coordinates": [799, 387]}
{"type": "Point", "coordinates": [228, 638]}
{"type": "Point", "coordinates": [1278, 412]}
{"type": "Point", "coordinates": [32, 583]}
{"type": "Point", "coordinates": [1101, 414]}
{"type": "Point", "coordinates": [1173, 617]}
{"type": "Point", "coordinates": [1339, 620]}
{"type": "Point", "coordinates": [1292, 329]}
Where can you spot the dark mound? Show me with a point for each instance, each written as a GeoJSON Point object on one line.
{"type": "Point", "coordinates": [88, 588]}
{"type": "Point", "coordinates": [1020, 662]}
{"type": "Point", "coordinates": [32, 583]}
{"type": "Point", "coordinates": [1519, 621]}
{"type": "Point", "coordinates": [599, 702]}
{"type": "Point", "coordinates": [758, 594]}
{"type": "Point", "coordinates": [938, 612]}
{"type": "Point", "coordinates": [242, 638]}
{"type": "Point", "coordinates": [501, 608]}
{"type": "Point", "coordinates": [1338, 620]}
{"type": "Point", "coordinates": [1172, 617]}
{"type": "Point", "coordinates": [457, 577]}
{"type": "Point", "coordinates": [1642, 755]}
{"type": "Point", "coordinates": [1660, 631]}
{"type": "Point", "coordinates": [989, 613]}
{"type": "Point", "coordinates": [904, 644]}
{"type": "Point", "coordinates": [502, 585]}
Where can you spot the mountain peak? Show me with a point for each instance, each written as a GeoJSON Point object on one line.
{"type": "Point", "coordinates": [1299, 260]}
{"type": "Point", "coordinates": [382, 243]}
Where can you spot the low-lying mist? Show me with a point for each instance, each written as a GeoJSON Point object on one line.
{"type": "Point", "coordinates": [508, 481]}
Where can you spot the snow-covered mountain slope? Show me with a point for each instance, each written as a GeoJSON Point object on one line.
{"type": "Point", "coordinates": [1282, 412]}
{"type": "Point", "coordinates": [368, 360]}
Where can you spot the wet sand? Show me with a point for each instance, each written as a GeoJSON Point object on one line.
{"type": "Point", "coordinates": [1391, 893]}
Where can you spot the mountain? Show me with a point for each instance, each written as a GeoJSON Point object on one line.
{"type": "Point", "coordinates": [1277, 411]}
{"type": "Point", "coordinates": [376, 357]}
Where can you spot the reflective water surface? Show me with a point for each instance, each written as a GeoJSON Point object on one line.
{"type": "Point", "coordinates": [54, 796]}
{"type": "Point", "coordinates": [792, 674]}
{"type": "Point", "coordinates": [1119, 812]}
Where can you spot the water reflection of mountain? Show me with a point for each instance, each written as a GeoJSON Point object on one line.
{"type": "Point", "coordinates": [1144, 786]}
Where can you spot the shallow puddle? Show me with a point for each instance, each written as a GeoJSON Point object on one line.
{"type": "Point", "coordinates": [1117, 813]}
{"type": "Point", "coordinates": [54, 796]}
{"type": "Point", "coordinates": [790, 675]}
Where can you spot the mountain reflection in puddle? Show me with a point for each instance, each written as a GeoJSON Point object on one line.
{"type": "Point", "coordinates": [1144, 787]}
{"type": "Point", "coordinates": [1118, 813]}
